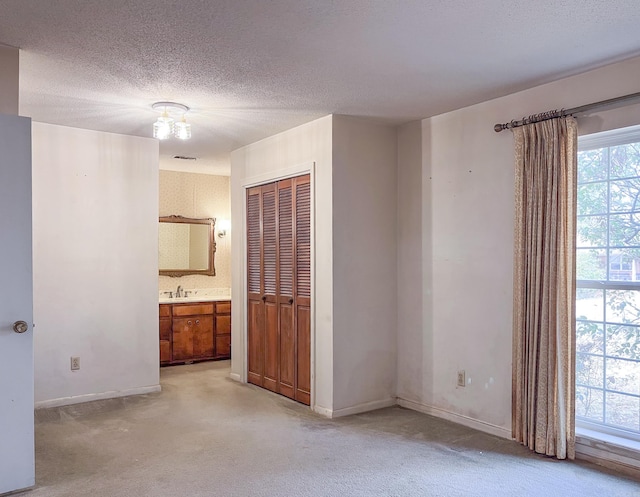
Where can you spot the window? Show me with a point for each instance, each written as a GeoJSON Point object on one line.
{"type": "Point", "coordinates": [608, 283]}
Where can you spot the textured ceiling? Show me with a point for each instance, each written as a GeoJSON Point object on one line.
{"type": "Point", "coordinates": [249, 69]}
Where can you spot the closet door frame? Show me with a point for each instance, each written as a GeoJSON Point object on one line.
{"type": "Point", "coordinates": [258, 181]}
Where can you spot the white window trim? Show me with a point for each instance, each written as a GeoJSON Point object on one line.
{"type": "Point", "coordinates": [595, 442]}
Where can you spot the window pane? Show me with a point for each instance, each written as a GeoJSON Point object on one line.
{"type": "Point", "coordinates": [623, 306]}
{"type": "Point", "coordinates": [589, 304]}
{"type": "Point", "coordinates": [592, 165]}
{"type": "Point", "coordinates": [623, 375]}
{"type": "Point", "coordinates": [622, 410]}
{"type": "Point", "coordinates": [624, 195]}
{"type": "Point", "coordinates": [592, 198]}
{"type": "Point", "coordinates": [624, 230]}
{"type": "Point", "coordinates": [625, 160]}
{"type": "Point", "coordinates": [591, 264]}
{"type": "Point", "coordinates": [623, 264]}
{"type": "Point", "coordinates": [592, 231]}
{"type": "Point", "coordinates": [623, 341]}
{"type": "Point", "coordinates": [589, 370]}
{"type": "Point", "coordinates": [589, 337]}
{"type": "Point", "coordinates": [589, 404]}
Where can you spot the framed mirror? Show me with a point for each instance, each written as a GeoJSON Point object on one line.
{"type": "Point", "coordinates": [186, 246]}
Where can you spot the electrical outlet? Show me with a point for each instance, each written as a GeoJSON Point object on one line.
{"type": "Point", "coordinates": [75, 363]}
{"type": "Point", "coordinates": [461, 378]}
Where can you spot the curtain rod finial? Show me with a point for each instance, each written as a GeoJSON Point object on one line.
{"type": "Point", "coordinates": [498, 127]}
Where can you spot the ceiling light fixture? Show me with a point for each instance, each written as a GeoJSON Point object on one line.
{"type": "Point", "coordinates": [166, 126]}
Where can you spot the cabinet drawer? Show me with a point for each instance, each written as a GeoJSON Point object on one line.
{"type": "Point", "coordinates": [165, 310]}
{"type": "Point", "coordinates": [223, 307]}
{"type": "Point", "coordinates": [192, 310]}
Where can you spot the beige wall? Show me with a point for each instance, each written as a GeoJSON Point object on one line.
{"type": "Point", "coordinates": [198, 196]}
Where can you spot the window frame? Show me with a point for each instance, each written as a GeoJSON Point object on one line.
{"type": "Point", "coordinates": [607, 139]}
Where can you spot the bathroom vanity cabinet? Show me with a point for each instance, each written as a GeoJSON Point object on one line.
{"type": "Point", "coordinates": [195, 331]}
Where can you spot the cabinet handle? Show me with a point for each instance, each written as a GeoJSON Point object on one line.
{"type": "Point", "coordinates": [189, 323]}
{"type": "Point", "coordinates": [264, 298]}
{"type": "Point", "coordinates": [197, 321]}
{"type": "Point", "coordinates": [290, 301]}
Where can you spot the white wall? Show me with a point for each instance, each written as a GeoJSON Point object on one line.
{"type": "Point", "coordinates": [95, 255]}
{"type": "Point", "coordinates": [467, 204]}
{"type": "Point", "coordinates": [292, 152]}
{"type": "Point", "coordinates": [413, 266]}
{"type": "Point", "coordinates": [9, 80]}
{"type": "Point", "coordinates": [364, 265]}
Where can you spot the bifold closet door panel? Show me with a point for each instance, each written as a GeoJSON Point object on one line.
{"type": "Point", "coordinates": [286, 270]}
{"type": "Point", "coordinates": [255, 342]}
{"type": "Point", "coordinates": [269, 292]}
{"type": "Point", "coordinates": [271, 346]}
{"type": "Point", "coordinates": [303, 370]}
{"type": "Point", "coordinates": [303, 288]}
{"type": "Point", "coordinates": [255, 304]}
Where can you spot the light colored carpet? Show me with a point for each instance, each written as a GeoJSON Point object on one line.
{"type": "Point", "coordinates": [205, 435]}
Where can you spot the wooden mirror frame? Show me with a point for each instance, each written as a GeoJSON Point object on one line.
{"type": "Point", "coordinates": [211, 271]}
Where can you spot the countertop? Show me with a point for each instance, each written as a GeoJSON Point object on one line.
{"type": "Point", "coordinates": [194, 298]}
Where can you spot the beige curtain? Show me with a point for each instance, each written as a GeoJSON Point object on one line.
{"type": "Point", "coordinates": [544, 287]}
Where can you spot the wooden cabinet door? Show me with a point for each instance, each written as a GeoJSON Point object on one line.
{"type": "Point", "coordinates": [165, 333]}
{"type": "Point", "coordinates": [182, 349]}
{"type": "Point", "coordinates": [165, 351]}
{"type": "Point", "coordinates": [223, 336]}
{"type": "Point", "coordinates": [202, 337]}
{"type": "Point", "coordinates": [223, 345]}
{"type": "Point", "coordinates": [223, 325]}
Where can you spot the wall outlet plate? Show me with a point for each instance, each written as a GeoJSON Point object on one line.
{"type": "Point", "coordinates": [75, 363]}
{"type": "Point", "coordinates": [462, 380]}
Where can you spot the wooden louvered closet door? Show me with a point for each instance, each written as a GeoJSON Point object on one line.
{"type": "Point", "coordinates": [255, 284]}
{"type": "Point", "coordinates": [279, 287]}
{"type": "Point", "coordinates": [302, 188]}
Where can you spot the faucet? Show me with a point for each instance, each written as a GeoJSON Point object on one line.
{"type": "Point", "coordinates": [179, 292]}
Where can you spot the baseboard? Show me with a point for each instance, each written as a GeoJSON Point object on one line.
{"type": "Point", "coordinates": [235, 377]}
{"type": "Point", "coordinates": [112, 394]}
{"type": "Point", "coordinates": [323, 411]}
{"type": "Point", "coordinates": [364, 407]}
{"type": "Point", "coordinates": [18, 491]}
{"type": "Point", "coordinates": [624, 460]}
{"type": "Point", "coordinates": [457, 418]}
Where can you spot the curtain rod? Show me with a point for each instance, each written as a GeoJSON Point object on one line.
{"type": "Point", "coordinates": [552, 114]}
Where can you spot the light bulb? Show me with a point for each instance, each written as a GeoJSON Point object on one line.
{"type": "Point", "coordinates": [163, 127]}
{"type": "Point", "coordinates": [182, 129]}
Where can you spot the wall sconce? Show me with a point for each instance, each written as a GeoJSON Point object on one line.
{"type": "Point", "coordinates": [223, 226]}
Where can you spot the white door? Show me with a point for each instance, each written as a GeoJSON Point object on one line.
{"type": "Point", "coordinates": [17, 467]}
